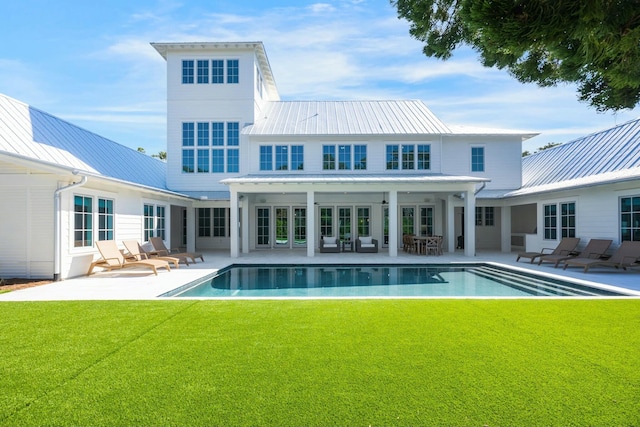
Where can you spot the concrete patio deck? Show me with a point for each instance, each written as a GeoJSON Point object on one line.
{"type": "Point", "coordinates": [133, 284]}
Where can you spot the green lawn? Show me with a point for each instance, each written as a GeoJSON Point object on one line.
{"type": "Point", "coordinates": [303, 363]}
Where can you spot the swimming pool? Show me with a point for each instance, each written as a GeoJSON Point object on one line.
{"type": "Point", "coordinates": [378, 280]}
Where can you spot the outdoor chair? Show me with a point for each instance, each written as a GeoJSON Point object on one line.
{"type": "Point", "coordinates": [160, 249]}
{"type": "Point", "coordinates": [627, 255]}
{"type": "Point", "coordinates": [366, 244]}
{"type": "Point", "coordinates": [566, 246]}
{"type": "Point", "coordinates": [113, 259]}
{"type": "Point", "coordinates": [329, 244]}
{"type": "Point", "coordinates": [138, 254]}
{"type": "Point", "coordinates": [594, 249]}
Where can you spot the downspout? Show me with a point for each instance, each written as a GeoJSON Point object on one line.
{"type": "Point", "coordinates": [484, 184]}
{"type": "Point", "coordinates": [57, 234]}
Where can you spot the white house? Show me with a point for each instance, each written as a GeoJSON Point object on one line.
{"type": "Point", "coordinates": [247, 171]}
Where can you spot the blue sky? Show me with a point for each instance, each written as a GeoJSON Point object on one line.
{"type": "Point", "coordinates": [91, 63]}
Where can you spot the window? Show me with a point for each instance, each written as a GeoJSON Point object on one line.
{"type": "Point", "coordinates": [282, 157]}
{"type": "Point", "coordinates": [266, 157]}
{"type": "Point", "coordinates": [568, 219]}
{"type": "Point", "coordinates": [187, 71]}
{"type": "Point", "coordinates": [233, 133]}
{"type": "Point", "coordinates": [148, 222]}
{"type": "Point", "coordinates": [219, 222]}
{"type": "Point", "coordinates": [160, 222]}
{"type": "Point", "coordinates": [233, 70]}
{"type": "Point", "coordinates": [328, 157]}
{"type": "Point", "coordinates": [105, 219]}
{"type": "Point", "coordinates": [344, 157]}
{"type": "Point", "coordinates": [217, 129]}
{"type": "Point", "coordinates": [217, 160]}
{"type": "Point", "coordinates": [217, 71]}
{"type": "Point", "coordinates": [297, 157]}
{"type": "Point", "coordinates": [188, 161]}
{"type": "Point", "coordinates": [630, 218]}
{"type": "Point", "coordinates": [424, 158]}
{"type": "Point", "coordinates": [364, 218]}
{"type": "Point", "coordinates": [299, 226]}
{"type": "Point", "coordinates": [477, 159]}
{"type": "Point", "coordinates": [489, 216]}
{"type": "Point", "coordinates": [478, 215]}
{"type": "Point", "coordinates": [203, 71]}
{"type": "Point", "coordinates": [203, 161]}
{"type": "Point", "coordinates": [360, 157]}
{"type": "Point", "coordinates": [204, 222]}
{"type": "Point", "coordinates": [392, 157]}
{"type": "Point", "coordinates": [187, 134]}
{"type": "Point", "coordinates": [326, 221]}
{"type": "Point", "coordinates": [203, 134]}
{"type": "Point", "coordinates": [408, 157]}
{"type": "Point", "coordinates": [82, 221]}
{"type": "Point", "coordinates": [550, 222]}
{"type": "Point", "coordinates": [233, 160]}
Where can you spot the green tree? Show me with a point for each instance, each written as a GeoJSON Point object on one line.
{"type": "Point", "coordinates": [592, 43]}
{"type": "Point", "coordinates": [162, 155]}
{"type": "Point", "coordinates": [544, 147]}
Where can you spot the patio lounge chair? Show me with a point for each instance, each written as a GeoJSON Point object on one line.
{"type": "Point", "coordinates": [594, 249]}
{"type": "Point", "coordinates": [160, 249]}
{"type": "Point", "coordinates": [566, 245]}
{"type": "Point", "coordinates": [366, 244]}
{"type": "Point", "coordinates": [138, 254]}
{"type": "Point", "coordinates": [329, 244]}
{"type": "Point", "coordinates": [112, 259]}
{"type": "Point", "coordinates": [627, 255]}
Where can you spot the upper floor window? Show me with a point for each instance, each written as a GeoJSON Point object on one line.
{"type": "Point", "coordinates": [328, 157]}
{"type": "Point", "coordinates": [233, 133]}
{"type": "Point", "coordinates": [187, 134]}
{"type": "Point", "coordinates": [282, 157]}
{"type": "Point", "coordinates": [203, 134]}
{"type": "Point", "coordinates": [286, 157]}
{"type": "Point", "coordinates": [233, 70]}
{"type": "Point", "coordinates": [203, 71]}
{"type": "Point", "coordinates": [360, 157]}
{"type": "Point", "coordinates": [217, 129]}
{"type": "Point", "coordinates": [214, 134]}
{"type": "Point", "coordinates": [393, 156]}
{"type": "Point", "coordinates": [187, 71]}
{"type": "Point", "coordinates": [477, 159]}
{"type": "Point", "coordinates": [217, 71]}
{"type": "Point", "coordinates": [266, 158]}
{"type": "Point", "coordinates": [424, 157]}
{"type": "Point", "coordinates": [408, 157]}
{"type": "Point", "coordinates": [344, 157]}
{"type": "Point", "coordinates": [630, 218]}
{"type": "Point", "coordinates": [297, 157]}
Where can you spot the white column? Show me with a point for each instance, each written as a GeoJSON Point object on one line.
{"type": "Point", "coordinates": [191, 229]}
{"type": "Point", "coordinates": [393, 223]}
{"type": "Point", "coordinates": [451, 225]}
{"type": "Point", "coordinates": [470, 223]}
{"type": "Point", "coordinates": [505, 228]}
{"type": "Point", "coordinates": [233, 204]}
{"type": "Point", "coordinates": [311, 224]}
{"type": "Point", "coordinates": [245, 225]}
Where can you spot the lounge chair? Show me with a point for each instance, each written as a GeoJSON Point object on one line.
{"type": "Point", "coordinates": [627, 255]}
{"type": "Point", "coordinates": [160, 249]}
{"type": "Point", "coordinates": [594, 249]}
{"type": "Point", "coordinates": [329, 244]}
{"type": "Point", "coordinates": [138, 254]}
{"type": "Point", "coordinates": [566, 245]}
{"type": "Point", "coordinates": [113, 259]}
{"type": "Point", "coordinates": [366, 244]}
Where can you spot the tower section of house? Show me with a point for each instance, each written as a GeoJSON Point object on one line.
{"type": "Point", "coordinates": [214, 90]}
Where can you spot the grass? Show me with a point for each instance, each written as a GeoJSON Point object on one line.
{"type": "Point", "coordinates": [350, 362]}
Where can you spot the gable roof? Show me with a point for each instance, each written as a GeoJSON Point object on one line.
{"type": "Point", "coordinates": [347, 118]}
{"type": "Point", "coordinates": [32, 134]}
{"type": "Point", "coordinates": [603, 157]}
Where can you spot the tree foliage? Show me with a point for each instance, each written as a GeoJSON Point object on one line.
{"type": "Point", "coordinates": [593, 43]}
{"type": "Point", "coordinates": [544, 147]}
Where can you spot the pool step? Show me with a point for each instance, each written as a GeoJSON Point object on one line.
{"type": "Point", "coordinates": [534, 285]}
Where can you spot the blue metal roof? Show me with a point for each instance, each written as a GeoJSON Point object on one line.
{"type": "Point", "coordinates": [33, 134]}
{"type": "Point", "coordinates": [599, 154]}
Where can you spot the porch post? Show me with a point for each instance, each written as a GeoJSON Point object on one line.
{"type": "Point", "coordinates": [311, 224]}
{"type": "Point", "coordinates": [393, 223]}
{"type": "Point", "coordinates": [505, 228]}
{"type": "Point", "coordinates": [244, 226]}
{"type": "Point", "coordinates": [233, 220]}
{"type": "Point", "coordinates": [191, 229]}
{"type": "Point", "coordinates": [451, 225]}
{"type": "Point", "coordinates": [470, 223]}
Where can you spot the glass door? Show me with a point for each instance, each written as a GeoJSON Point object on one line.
{"type": "Point", "coordinates": [426, 221]}
{"type": "Point", "coordinates": [282, 227]}
{"type": "Point", "coordinates": [263, 226]}
{"type": "Point", "coordinates": [299, 226]}
{"type": "Point", "coordinates": [364, 219]}
{"type": "Point", "coordinates": [344, 223]}
{"type": "Point", "coordinates": [326, 222]}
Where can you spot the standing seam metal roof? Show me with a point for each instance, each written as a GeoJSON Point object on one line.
{"type": "Point", "coordinates": [347, 118]}
{"type": "Point", "coordinates": [611, 150]}
{"type": "Point", "coordinates": [30, 133]}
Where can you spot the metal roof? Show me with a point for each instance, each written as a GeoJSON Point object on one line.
{"type": "Point", "coordinates": [602, 157]}
{"type": "Point", "coordinates": [29, 133]}
{"type": "Point", "coordinates": [347, 118]}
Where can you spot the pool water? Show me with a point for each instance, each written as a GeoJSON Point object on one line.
{"type": "Point", "coordinates": [282, 281]}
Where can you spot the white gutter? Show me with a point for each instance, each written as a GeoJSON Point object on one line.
{"type": "Point", "coordinates": [57, 235]}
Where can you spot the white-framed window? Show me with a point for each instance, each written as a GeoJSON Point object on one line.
{"type": "Point", "coordinates": [485, 216]}
{"type": "Point", "coordinates": [408, 156]}
{"type": "Point", "coordinates": [216, 71]}
{"type": "Point", "coordinates": [105, 219]}
{"type": "Point", "coordinates": [82, 221]}
{"type": "Point", "coordinates": [630, 218]}
{"type": "Point", "coordinates": [566, 227]}
{"type": "Point", "coordinates": [477, 159]}
{"type": "Point", "coordinates": [154, 221]}
{"type": "Point", "coordinates": [210, 147]}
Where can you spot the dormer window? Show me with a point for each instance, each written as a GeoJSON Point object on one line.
{"type": "Point", "coordinates": [197, 71]}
